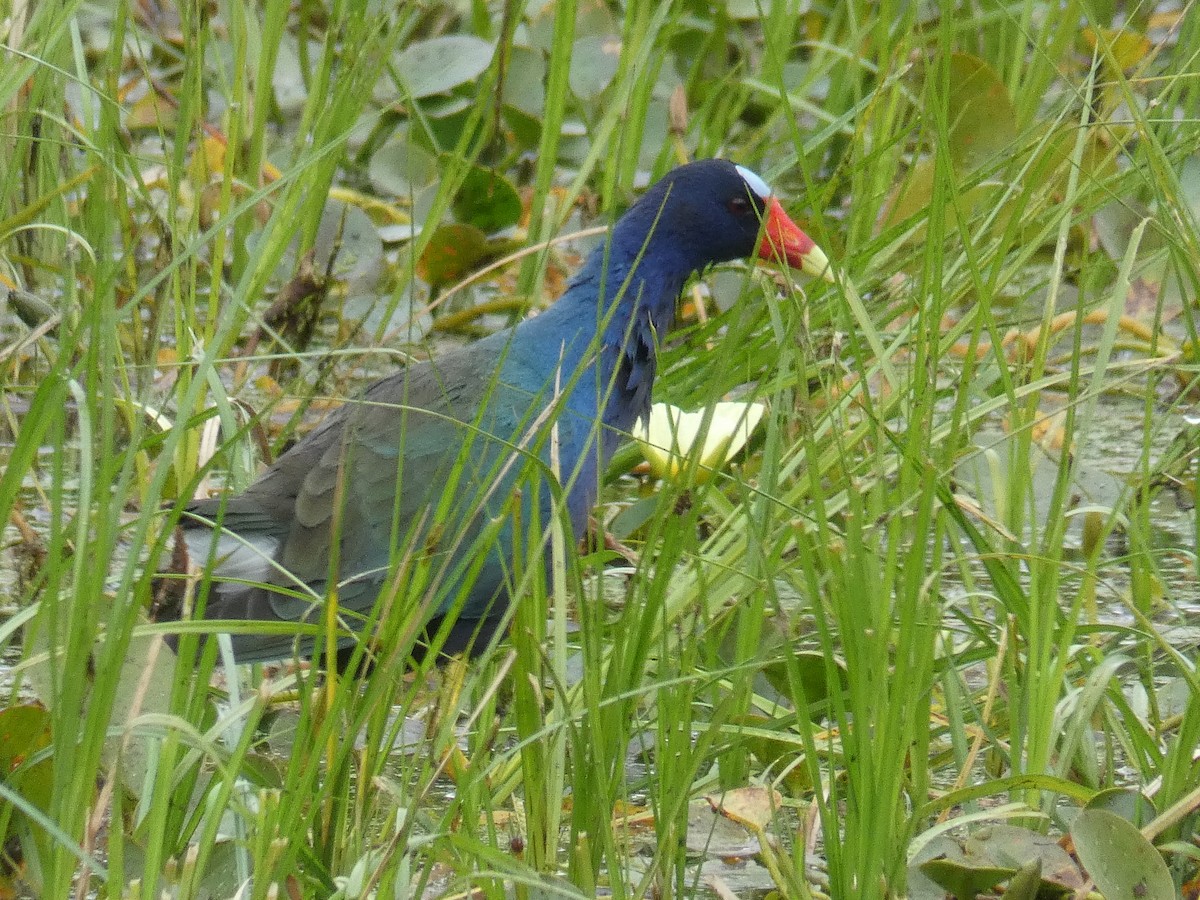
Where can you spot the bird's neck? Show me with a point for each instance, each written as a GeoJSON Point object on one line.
{"type": "Point", "coordinates": [623, 299]}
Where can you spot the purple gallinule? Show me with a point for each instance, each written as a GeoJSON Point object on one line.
{"type": "Point", "coordinates": [433, 485]}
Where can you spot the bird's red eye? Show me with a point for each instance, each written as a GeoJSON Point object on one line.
{"type": "Point", "coordinates": [739, 206]}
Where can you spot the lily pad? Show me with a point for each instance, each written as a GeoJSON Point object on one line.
{"type": "Point", "coordinates": [964, 877]}
{"type": "Point", "coordinates": [752, 807]}
{"type": "Point", "coordinates": [983, 120]}
{"type": "Point", "coordinates": [983, 126]}
{"type": "Point", "coordinates": [488, 201]}
{"type": "Point", "coordinates": [24, 729]}
{"type": "Point", "coordinates": [525, 82]}
{"type": "Point", "coordinates": [812, 669]}
{"type": "Point", "coordinates": [1016, 847]}
{"type": "Point", "coordinates": [1118, 858]}
{"type": "Point", "coordinates": [775, 753]}
{"type": "Point", "coordinates": [442, 63]}
{"type": "Point", "coordinates": [350, 233]}
{"type": "Point", "coordinates": [716, 835]}
{"type": "Point", "coordinates": [401, 168]}
{"type": "Point", "coordinates": [997, 853]}
{"type": "Point", "coordinates": [526, 129]}
{"type": "Point", "coordinates": [287, 80]}
{"type": "Point", "coordinates": [1027, 883]}
{"type": "Point", "coordinates": [1122, 48]}
{"type": "Point", "coordinates": [1131, 805]}
{"type": "Point", "coordinates": [452, 252]}
{"type": "Point", "coordinates": [593, 65]}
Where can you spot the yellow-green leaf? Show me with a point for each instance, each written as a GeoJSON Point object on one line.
{"type": "Point", "coordinates": [672, 437]}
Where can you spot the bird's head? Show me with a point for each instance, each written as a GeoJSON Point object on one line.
{"type": "Point", "coordinates": [718, 211]}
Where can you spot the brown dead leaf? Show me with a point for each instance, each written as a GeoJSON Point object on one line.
{"type": "Point", "coordinates": [752, 806]}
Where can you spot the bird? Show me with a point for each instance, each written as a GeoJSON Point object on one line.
{"type": "Point", "coordinates": [437, 480]}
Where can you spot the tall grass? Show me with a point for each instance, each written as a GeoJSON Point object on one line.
{"type": "Point", "coordinates": [847, 615]}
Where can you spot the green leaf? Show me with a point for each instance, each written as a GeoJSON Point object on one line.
{"type": "Point", "coordinates": [963, 878]}
{"type": "Point", "coordinates": [452, 252]}
{"type": "Point", "coordinates": [998, 852]}
{"type": "Point", "coordinates": [673, 437]}
{"type": "Point", "coordinates": [813, 673]}
{"type": "Point", "coordinates": [593, 64]}
{"type": "Point", "coordinates": [441, 63]}
{"type": "Point", "coordinates": [1015, 847]}
{"type": "Point", "coordinates": [633, 517]}
{"type": "Point", "coordinates": [525, 82]}
{"type": "Point", "coordinates": [1129, 804]}
{"type": "Point", "coordinates": [526, 128]}
{"type": "Point", "coordinates": [1118, 858]}
{"type": "Point", "coordinates": [983, 121]}
{"type": "Point", "coordinates": [1027, 883]}
{"type": "Point", "coordinates": [488, 201]}
{"type": "Point", "coordinates": [775, 754]}
{"type": "Point", "coordinates": [401, 168]}
{"type": "Point", "coordinates": [24, 729]}
{"type": "Point", "coordinates": [1122, 48]}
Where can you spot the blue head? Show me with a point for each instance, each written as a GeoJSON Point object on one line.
{"type": "Point", "coordinates": [706, 212]}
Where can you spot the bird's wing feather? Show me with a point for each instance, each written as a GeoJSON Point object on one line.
{"type": "Point", "coordinates": [375, 473]}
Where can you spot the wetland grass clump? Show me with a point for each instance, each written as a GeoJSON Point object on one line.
{"type": "Point", "coordinates": [947, 584]}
